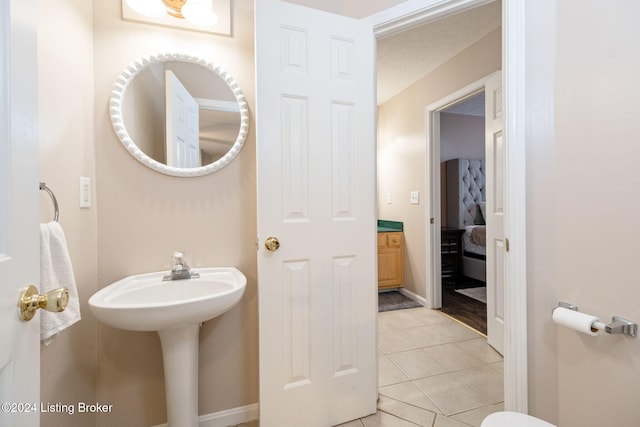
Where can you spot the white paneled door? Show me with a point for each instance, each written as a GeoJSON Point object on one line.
{"type": "Point", "coordinates": [19, 238]}
{"type": "Point", "coordinates": [496, 201]}
{"type": "Point", "coordinates": [316, 211]}
{"type": "Point", "coordinates": [182, 124]}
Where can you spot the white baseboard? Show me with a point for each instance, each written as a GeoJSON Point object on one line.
{"type": "Point", "coordinates": [229, 417]}
{"type": "Point", "coordinates": [415, 297]}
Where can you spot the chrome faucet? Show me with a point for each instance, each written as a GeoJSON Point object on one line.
{"type": "Point", "coordinates": [180, 270]}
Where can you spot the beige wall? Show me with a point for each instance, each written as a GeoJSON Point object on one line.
{"type": "Point", "coordinates": [402, 147]}
{"type": "Point", "coordinates": [143, 108]}
{"type": "Point", "coordinates": [144, 216]}
{"type": "Point", "coordinates": [66, 152]}
{"type": "Point", "coordinates": [581, 200]}
{"type": "Point", "coordinates": [541, 175]}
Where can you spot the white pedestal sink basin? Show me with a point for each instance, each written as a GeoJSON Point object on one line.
{"type": "Point", "coordinates": [175, 310]}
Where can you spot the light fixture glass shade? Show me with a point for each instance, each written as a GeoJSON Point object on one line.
{"type": "Point", "coordinates": [200, 12]}
{"type": "Point", "coordinates": [151, 8]}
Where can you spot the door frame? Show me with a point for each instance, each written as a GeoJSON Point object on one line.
{"type": "Point", "coordinates": [418, 12]}
{"type": "Point", "coordinates": [432, 176]}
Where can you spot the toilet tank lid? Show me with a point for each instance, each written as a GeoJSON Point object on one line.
{"type": "Point", "coordinates": [513, 419]}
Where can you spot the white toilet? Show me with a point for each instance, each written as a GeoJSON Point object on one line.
{"type": "Point", "coordinates": [513, 419]}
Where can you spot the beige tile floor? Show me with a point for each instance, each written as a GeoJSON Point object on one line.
{"type": "Point", "coordinates": [433, 372]}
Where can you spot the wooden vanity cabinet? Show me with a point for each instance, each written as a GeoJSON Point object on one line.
{"type": "Point", "coordinates": [390, 260]}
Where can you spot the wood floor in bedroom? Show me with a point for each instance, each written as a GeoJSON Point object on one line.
{"type": "Point", "coordinates": [467, 310]}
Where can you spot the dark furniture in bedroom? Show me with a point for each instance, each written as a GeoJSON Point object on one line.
{"type": "Point", "coordinates": [451, 253]}
{"type": "Point", "coordinates": [465, 195]}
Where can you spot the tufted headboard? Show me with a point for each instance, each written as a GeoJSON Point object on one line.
{"type": "Point", "coordinates": [465, 190]}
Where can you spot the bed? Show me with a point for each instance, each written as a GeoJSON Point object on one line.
{"type": "Point", "coordinates": [465, 201]}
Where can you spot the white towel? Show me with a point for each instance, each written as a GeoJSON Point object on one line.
{"type": "Point", "coordinates": [56, 272]}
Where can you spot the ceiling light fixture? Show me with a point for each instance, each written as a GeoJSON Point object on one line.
{"type": "Point", "coordinates": [198, 12]}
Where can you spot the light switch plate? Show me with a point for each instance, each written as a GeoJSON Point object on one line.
{"type": "Point", "coordinates": [85, 192]}
{"type": "Point", "coordinates": [415, 198]}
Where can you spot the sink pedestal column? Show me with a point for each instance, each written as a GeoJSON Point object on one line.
{"type": "Point", "coordinates": [180, 358]}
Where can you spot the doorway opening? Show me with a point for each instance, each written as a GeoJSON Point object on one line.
{"type": "Point", "coordinates": [473, 186]}
{"type": "Point", "coordinates": [462, 171]}
{"type": "Point", "coordinates": [425, 335]}
{"type": "Point", "coordinates": [431, 179]}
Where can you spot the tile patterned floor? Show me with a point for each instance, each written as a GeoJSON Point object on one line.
{"type": "Point", "coordinates": [433, 372]}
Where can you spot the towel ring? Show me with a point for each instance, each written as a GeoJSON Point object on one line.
{"type": "Point", "coordinates": [56, 215]}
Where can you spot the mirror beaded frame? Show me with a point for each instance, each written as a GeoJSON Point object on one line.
{"type": "Point", "coordinates": [115, 108]}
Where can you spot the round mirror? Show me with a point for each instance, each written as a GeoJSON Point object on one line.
{"type": "Point", "coordinates": [179, 114]}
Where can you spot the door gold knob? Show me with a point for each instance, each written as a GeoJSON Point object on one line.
{"type": "Point", "coordinates": [272, 244]}
{"type": "Point", "coordinates": [30, 301]}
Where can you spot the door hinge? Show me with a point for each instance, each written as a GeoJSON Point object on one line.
{"type": "Point", "coordinates": [506, 244]}
{"type": "Point", "coordinates": [432, 220]}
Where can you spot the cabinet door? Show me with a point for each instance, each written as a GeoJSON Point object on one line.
{"type": "Point", "coordinates": [394, 240]}
{"type": "Point", "coordinates": [390, 262]}
{"type": "Point", "coordinates": [382, 240]}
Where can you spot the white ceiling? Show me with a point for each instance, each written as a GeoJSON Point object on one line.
{"type": "Point", "coordinates": [405, 58]}
{"type": "Point", "coordinates": [472, 106]}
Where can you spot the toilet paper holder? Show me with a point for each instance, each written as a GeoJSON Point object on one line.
{"type": "Point", "coordinates": [618, 325]}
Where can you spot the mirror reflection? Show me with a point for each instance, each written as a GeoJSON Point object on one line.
{"type": "Point", "coordinates": [181, 114]}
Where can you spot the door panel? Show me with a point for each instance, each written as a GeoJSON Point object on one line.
{"type": "Point", "coordinates": [182, 125]}
{"type": "Point", "coordinates": [316, 148]}
{"type": "Point", "coordinates": [19, 240]}
{"type": "Point", "coordinates": [495, 185]}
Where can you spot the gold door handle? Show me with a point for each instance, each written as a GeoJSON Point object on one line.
{"type": "Point", "coordinates": [30, 301]}
{"type": "Point", "coordinates": [272, 244]}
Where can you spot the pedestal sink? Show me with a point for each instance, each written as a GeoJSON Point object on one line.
{"type": "Point", "coordinates": [175, 309]}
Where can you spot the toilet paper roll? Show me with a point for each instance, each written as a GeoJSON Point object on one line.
{"type": "Point", "coordinates": [577, 321]}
